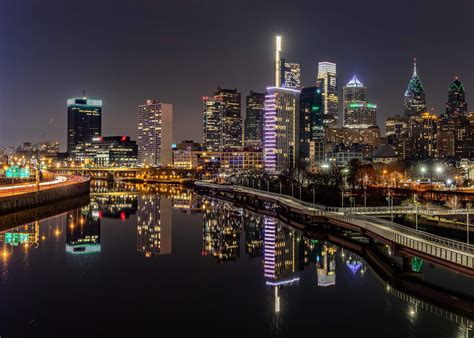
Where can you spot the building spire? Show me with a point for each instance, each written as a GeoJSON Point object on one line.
{"type": "Point", "coordinates": [414, 67]}
{"type": "Point", "coordinates": [277, 61]}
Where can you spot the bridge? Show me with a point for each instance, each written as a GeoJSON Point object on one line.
{"type": "Point", "coordinates": [403, 240]}
{"type": "Point", "coordinates": [401, 210]}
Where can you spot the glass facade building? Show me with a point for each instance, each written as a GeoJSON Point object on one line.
{"type": "Point", "coordinates": [311, 126]}
{"type": "Point", "coordinates": [254, 120]}
{"type": "Point", "coordinates": [84, 120]}
{"type": "Point", "coordinates": [327, 82]}
{"type": "Point", "coordinates": [415, 100]}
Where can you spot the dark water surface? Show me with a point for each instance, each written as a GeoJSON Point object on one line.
{"type": "Point", "coordinates": [176, 264]}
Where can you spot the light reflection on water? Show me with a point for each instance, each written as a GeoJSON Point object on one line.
{"type": "Point", "coordinates": [179, 253]}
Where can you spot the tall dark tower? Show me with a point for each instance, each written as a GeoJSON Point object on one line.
{"type": "Point", "coordinates": [254, 120]}
{"type": "Point", "coordinates": [311, 126]}
{"type": "Point", "coordinates": [84, 120]}
{"type": "Point", "coordinates": [456, 105]}
{"type": "Point", "coordinates": [415, 100]}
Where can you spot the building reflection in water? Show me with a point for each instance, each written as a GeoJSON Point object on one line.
{"type": "Point", "coordinates": [186, 201]}
{"type": "Point", "coordinates": [83, 231]}
{"type": "Point", "coordinates": [221, 231]}
{"type": "Point", "coordinates": [154, 225]}
{"type": "Point", "coordinates": [354, 263]}
{"type": "Point", "coordinates": [326, 263]}
{"type": "Point", "coordinates": [253, 229]}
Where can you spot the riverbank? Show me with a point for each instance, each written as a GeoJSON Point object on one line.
{"type": "Point", "coordinates": [27, 197]}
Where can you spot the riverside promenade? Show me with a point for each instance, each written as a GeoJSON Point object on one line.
{"type": "Point", "coordinates": [20, 197]}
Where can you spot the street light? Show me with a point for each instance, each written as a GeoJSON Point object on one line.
{"type": "Point", "coordinates": [423, 171]}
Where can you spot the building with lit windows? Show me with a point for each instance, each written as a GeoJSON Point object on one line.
{"type": "Point", "coordinates": [423, 136]}
{"type": "Point", "coordinates": [84, 120]}
{"type": "Point", "coordinates": [358, 113]}
{"type": "Point", "coordinates": [155, 133]}
{"type": "Point", "coordinates": [253, 131]}
{"type": "Point", "coordinates": [222, 121]}
{"type": "Point", "coordinates": [107, 151]}
{"type": "Point", "coordinates": [415, 100]}
{"type": "Point", "coordinates": [287, 74]}
{"type": "Point", "coordinates": [281, 128]}
{"type": "Point", "coordinates": [456, 105]}
{"type": "Point", "coordinates": [154, 232]}
{"type": "Point", "coordinates": [311, 136]}
{"type": "Point", "coordinates": [327, 82]}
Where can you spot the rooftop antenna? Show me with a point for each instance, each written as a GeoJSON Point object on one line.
{"type": "Point", "coordinates": [414, 66]}
{"type": "Point", "coordinates": [83, 93]}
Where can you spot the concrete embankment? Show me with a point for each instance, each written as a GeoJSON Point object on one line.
{"type": "Point", "coordinates": [63, 192]}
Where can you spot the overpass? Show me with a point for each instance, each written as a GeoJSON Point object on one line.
{"type": "Point", "coordinates": [403, 240]}
{"type": "Point", "coordinates": [401, 210]}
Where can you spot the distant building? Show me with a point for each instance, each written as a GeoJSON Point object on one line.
{"type": "Point", "coordinates": [287, 74]}
{"type": "Point", "coordinates": [84, 120]}
{"type": "Point", "coordinates": [255, 103]}
{"type": "Point", "coordinates": [222, 121]}
{"type": "Point", "coordinates": [326, 81]}
{"type": "Point", "coordinates": [456, 105]}
{"type": "Point", "coordinates": [415, 100]}
{"type": "Point", "coordinates": [281, 130]}
{"type": "Point", "coordinates": [109, 151]}
{"type": "Point", "coordinates": [155, 133]}
{"type": "Point", "coordinates": [384, 154]}
{"type": "Point", "coordinates": [423, 129]}
{"type": "Point", "coordinates": [311, 126]}
{"type": "Point", "coordinates": [358, 112]}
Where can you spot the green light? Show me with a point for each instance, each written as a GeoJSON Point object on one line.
{"type": "Point", "coordinates": [315, 107]}
{"type": "Point", "coordinates": [371, 105]}
{"type": "Point", "coordinates": [356, 105]}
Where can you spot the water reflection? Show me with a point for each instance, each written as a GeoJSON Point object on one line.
{"type": "Point", "coordinates": [289, 257]}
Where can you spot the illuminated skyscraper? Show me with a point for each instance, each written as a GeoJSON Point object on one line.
{"type": "Point", "coordinates": [155, 133]}
{"type": "Point", "coordinates": [281, 128]}
{"type": "Point", "coordinates": [287, 74]}
{"type": "Point", "coordinates": [222, 121]}
{"type": "Point", "coordinates": [326, 81]}
{"type": "Point", "coordinates": [415, 100]}
{"type": "Point", "coordinates": [255, 103]}
{"type": "Point", "coordinates": [358, 113]}
{"type": "Point", "coordinates": [456, 105]}
{"type": "Point", "coordinates": [311, 126]}
{"type": "Point", "coordinates": [84, 120]}
{"type": "Point", "coordinates": [154, 225]}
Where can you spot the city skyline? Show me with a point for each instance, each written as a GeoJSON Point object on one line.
{"type": "Point", "coordinates": [131, 77]}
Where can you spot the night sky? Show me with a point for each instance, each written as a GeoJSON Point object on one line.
{"type": "Point", "coordinates": [177, 51]}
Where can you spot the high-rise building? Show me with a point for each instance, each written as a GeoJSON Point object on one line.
{"type": "Point", "coordinates": [326, 81]}
{"type": "Point", "coordinates": [84, 120]}
{"type": "Point", "coordinates": [415, 100]}
{"type": "Point", "coordinates": [456, 105]}
{"type": "Point", "coordinates": [281, 128]}
{"type": "Point", "coordinates": [222, 121]}
{"type": "Point", "coordinates": [358, 113]}
{"type": "Point", "coordinates": [155, 133]}
{"type": "Point", "coordinates": [255, 103]}
{"type": "Point", "coordinates": [311, 126]}
{"type": "Point", "coordinates": [423, 136]}
{"type": "Point", "coordinates": [287, 74]}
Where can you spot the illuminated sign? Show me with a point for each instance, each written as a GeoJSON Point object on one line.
{"type": "Point", "coordinates": [16, 238]}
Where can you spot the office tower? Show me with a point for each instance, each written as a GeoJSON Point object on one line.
{"type": "Point", "coordinates": [311, 126]}
{"type": "Point", "coordinates": [222, 121]}
{"type": "Point", "coordinates": [255, 103]}
{"type": "Point", "coordinates": [281, 129]}
{"type": "Point", "coordinates": [287, 74]}
{"type": "Point", "coordinates": [154, 221]}
{"type": "Point", "coordinates": [326, 81]}
{"type": "Point", "coordinates": [84, 120]}
{"type": "Point", "coordinates": [155, 133]}
{"type": "Point", "coordinates": [423, 129]}
{"type": "Point", "coordinates": [358, 113]}
{"type": "Point", "coordinates": [414, 101]}
{"type": "Point", "coordinates": [456, 105]}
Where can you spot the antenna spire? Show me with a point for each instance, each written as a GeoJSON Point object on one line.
{"type": "Point", "coordinates": [414, 67]}
{"type": "Point", "coordinates": [83, 93]}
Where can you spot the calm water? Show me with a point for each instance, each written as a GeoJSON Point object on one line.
{"type": "Point", "coordinates": [170, 263]}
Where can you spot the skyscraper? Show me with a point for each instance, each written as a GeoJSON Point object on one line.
{"type": "Point", "coordinates": [231, 118]}
{"type": "Point", "coordinates": [287, 74]}
{"type": "Point", "coordinates": [84, 120]}
{"type": "Point", "coordinates": [254, 120]}
{"type": "Point", "coordinates": [326, 81]}
{"type": "Point", "coordinates": [155, 133]}
{"type": "Point", "coordinates": [222, 121]}
{"type": "Point", "coordinates": [456, 105]}
{"type": "Point", "coordinates": [311, 126]}
{"type": "Point", "coordinates": [281, 128]}
{"type": "Point", "coordinates": [415, 100]}
{"type": "Point", "coordinates": [358, 113]}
